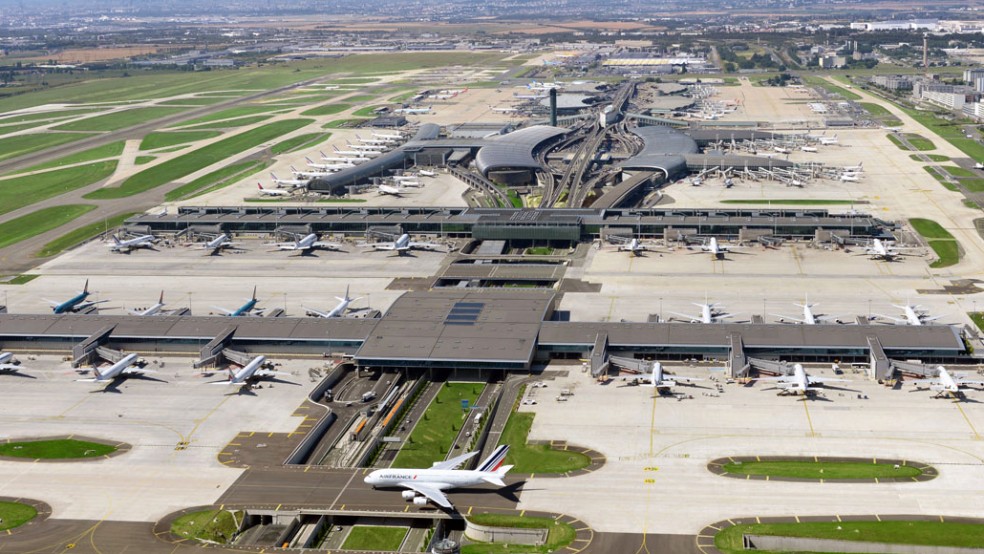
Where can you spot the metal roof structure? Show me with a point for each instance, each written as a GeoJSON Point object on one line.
{"type": "Point", "coordinates": [516, 149]}
{"type": "Point", "coordinates": [663, 149]}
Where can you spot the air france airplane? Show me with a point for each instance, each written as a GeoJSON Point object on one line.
{"type": "Point", "coordinates": [403, 244]}
{"type": "Point", "coordinates": [947, 384]}
{"type": "Point", "coordinates": [250, 373]}
{"type": "Point", "coordinates": [120, 370]}
{"type": "Point", "coordinates": [429, 484]}
{"type": "Point", "coordinates": [799, 383]}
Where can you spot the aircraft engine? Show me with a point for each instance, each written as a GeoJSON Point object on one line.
{"type": "Point", "coordinates": [408, 495]}
{"type": "Point", "coordinates": [420, 501]}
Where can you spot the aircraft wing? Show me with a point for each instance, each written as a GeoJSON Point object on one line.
{"type": "Point", "coordinates": [312, 311]}
{"type": "Point", "coordinates": [328, 245]}
{"type": "Point", "coordinates": [722, 316]}
{"type": "Point", "coordinates": [687, 379]}
{"type": "Point", "coordinates": [822, 380]}
{"type": "Point", "coordinates": [384, 246]}
{"type": "Point", "coordinates": [269, 373]}
{"type": "Point", "coordinates": [687, 316]}
{"type": "Point", "coordinates": [134, 370]}
{"type": "Point", "coordinates": [787, 318]}
{"type": "Point", "coordinates": [430, 491]}
{"type": "Point", "coordinates": [964, 381]}
{"type": "Point", "coordinates": [453, 463]}
{"type": "Point", "coordinates": [10, 367]}
{"type": "Point", "coordinates": [896, 319]}
{"type": "Point", "coordinates": [779, 379]}
{"type": "Point", "coordinates": [426, 246]}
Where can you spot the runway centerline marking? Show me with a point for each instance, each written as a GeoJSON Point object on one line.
{"type": "Point", "coordinates": [808, 419]}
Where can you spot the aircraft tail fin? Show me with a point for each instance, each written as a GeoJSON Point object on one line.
{"type": "Point", "coordinates": [308, 160]}
{"type": "Point", "coordinates": [493, 463]}
{"type": "Point", "coordinates": [496, 477]}
{"type": "Point", "coordinates": [259, 186]}
{"type": "Point", "coordinates": [116, 240]}
{"type": "Point", "coordinates": [161, 299]}
{"type": "Point", "coordinates": [254, 293]}
{"type": "Point", "coordinates": [86, 287]}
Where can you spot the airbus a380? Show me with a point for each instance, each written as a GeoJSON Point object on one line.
{"type": "Point", "coordinates": [799, 383]}
{"type": "Point", "coordinates": [429, 484]}
{"type": "Point", "coordinates": [947, 384]}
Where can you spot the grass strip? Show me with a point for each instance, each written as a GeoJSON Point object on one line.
{"type": "Point", "coordinates": [947, 251]}
{"type": "Point", "coordinates": [153, 141]}
{"type": "Point", "coordinates": [930, 229]}
{"type": "Point", "coordinates": [111, 150]}
{"type": "Point", "coordinates": [215, 180]}
{"type": "Point", "coordinates": [536, 458]}
{"type": "Point", "coordinates": [196, 160]}
{"type": "Point", "coordinates": [940, 179]}
{"type": "Point", "coordinates": [922, 533]}
{"type": "Point", "coordinates": [301, 141]}
{"type": "Point", "coordinates": [218, 526]}
{"type": "Point", "coordinates": [233, 113]}
{"type": "Point", "coordinates": [18, 192]}
{"type": "Point", "coordinates": [958, 171]}
{"type": "Point", "coordinates": [876, 110]}
{"type": "Point", "coordinates": [344, 123]}
{"type": "Point", "coordinates": [12, 147]}
{"type": "Point", "coordinates": [228, 123]}
{"type": "Point", "coordinates": [920, 143]}
{"type": "Point", "coordinates": [375, 537]}
{"type": "Point", "coordinates": [15, 514]}
{"type": "Point", "coordinates": [433, 434]}
{"type": "Point", "coordinates": [40, 221]}
{"type": "Point", "coordinates": [808, 469]}
{"type": "Point", "coordinates": [141, 160]}
{"type": "Point", "coordinates": [326, 109]}
{"type": "Point", "coordinates": [22, 279]}
{"type": "Point", "coordinates": [559, 534]}
{"type": "Point", "coordinates": [82, 234]}
{"type": "Point", "coordinates": [368, 111]}
{"type": "Point", "coordinates": [118, 120]}
{"type": "Point", "coordinates": [932, 157]}
{"type": "Point", "coordinates": [57, 449]}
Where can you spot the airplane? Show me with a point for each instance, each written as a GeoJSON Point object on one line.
{"type": "Point", "coordinates": [426, 173]}
{"type": "Point", "coordinates": [395, 135]}
{"type": "Point", "coordinates": [708, 314]}
{"type": "Point", "coordinates": [313, 174]}
{"type": "Point", "coordinates": [377, 140]}
{"type": "Point", "coordinates": [529, 96]}
{"type": "Point", "coordinates": [126, 246]}
{"type": "Point", "coordinates": [829, 141]}
{"type": "Point", "coordinates": [337, 311]}
{"type": "Point", "coordinates": [309, 243]}
{"type": "Point", "coordinates": [659, 379]}
{"type": "Point", "coordinates": [122, 369]}
{"type": "Point", "coordinates": [883, 251]}
{"type": "Point", "coordinates": [294, 183]}
{"type": "Point", "coordinates": [156, 309]}
{"type": "Point", "coordinates": [357, 153]}
{"type": "Point", "coordinates": [947, 384]}
{"type": "Point", "coordinates": [810, 149]}
{"type": "Point", "coordinates": [217, 244]}
{"type": "Point", "coordinates": [249, 374]}
{"type": "Point", "coordinates": [76, 303]}
{"type": "Point", "coordinates": [808, 318]}
{"type": "Point", "coordinates": [543, 86]}
{"type": "Point", "coordinates": [413, 110]}
{"type": "Point", "coordinates": [635, 246]}
{"type": "Point", "coordinates": [403, 244]}
{"type": "Point", "coordinates": [428, 484]}
{"type": "Point", "coordinates": [377, 148]}
{"type": "Point", "coordinates": [503, 109]}
{"type": "Point", "coordinates": [391, 190]}
{"type": "Point", "coordinates": [855, 168]}
{"type": "Point", "coordinates": [799, 383]}
{"type": "Point", "coordinates": [781, 150]}
{"type": "Point", "coordinates": [715, 249]}
{"type": "Point", "coordinates": [272, 192]}
{"type": "Point", "coordinates": [849, 178]}
{"type": "Point", "coordinates": [7, 362]}
{"type": "Point", "coordinates": [244, 310]}
{"type": "Point", "coordinates": [328, 167]}
{"type": "Point", "coordinates": [911, 315]}
{"type": "Point", "coordinates": [343, 159]}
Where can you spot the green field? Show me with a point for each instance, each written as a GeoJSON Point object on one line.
{"type": "Point", "coordinates": [807, 469]}
{"type": "Point", "coordinates": [209, 525]}
{"type": "Point", "coordinates": [978, 319]}
{"type": "Point", "coordinates": [796, 202]}
{"type": "Point", "coordinates": [195, 160]}
{"type": "Point", "coordinates": [971, 204]}
{"type": "Point", "coordinates": [920, 142]}
{"type": "Point", "coordinates": [925, 533]}
{"type": "Point", "coordinates": [228, 123]}
{"type": "Point", "coordinates": [939, 178]}
{"type": "Point", "coordinates": [948, 131]}
{"type": "Point", "coordinates": [932, 157]}
{"type": "Point", "coordinates": [215, 180]}
{"type": "Point", "coordinates": [948, 252]}
{"type": "Point", "coordinates": [11, 147]}
{"type": "Point", "coordinates": [111, 150]}
{"type": "Point", "coordinates": [377, 537]}
{"type": "Point", "coordinates": [200, 101]}
{"type": "Point", "coordinates": [153, 141]}
{"type": "Point", "coordinates": [43, 116]}
{"type": "Point", "coordinates": [831, 88]}
{"type": "Point", "coordinates": [60, 449]}
{"type": "Point", "coordinates": [118, 120]}
{"type": "Point", "coordinates": [232, 113]}
{"type": "Point", "coordinates": [368, 111]}
{"type": "Point", "coordinates": [930, 229]}
{"type": "Point", "coordinates": [23, 191]}
{"type": "Point", "coordinates": [433, 434]}
{"type": "Point", "coordinates": [897, 141]}
{"type": "Point", "coordinates": [560, 534]}
{"type": "Point", "coordinates": [308, 140]}
{"type": "Point", "coordinates": [141, 160]}
{"type": "Point", "coordinates": [973, 185]}
{"type": "Point", "coordinates": [327, 109]}
{"type": "Point", "coordinates": [22, 279]}
{"type": "Point", "coordinates": [82, 234]}
{"type": "Point", "coordinates": [959, 171]}
{"type": "Point", "coordinates": [343, 123]}
{"type": "Point", "coordinates": [876, 110]}
{"type": "Point", "coordinates": [8, 129]}
{"type": "Point", "coordinates": [15, 514]}
{"type": "Point", "coordinates": [40, 221]}
{"type": "Point", "coordinates": [536, 458]}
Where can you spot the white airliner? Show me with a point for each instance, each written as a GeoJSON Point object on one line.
{"type": "Point", "coordinates": [314, 173]}
{"type": "Point", "coordinates": [128, 245]}
{"type": "Point", "coordinates": [808, 317]}
{"type": "Point", "coordinates": [337, 311]}
{"type": "Point", "coordinates": [429, 484]}
{"type": "Point", "coordinates": [543, 86]}
{"type": "Point", "coordinates": [413, 110]}
{"type": "Point", "coordinates": [343, 159]}
{"type": "Point", "coordinates": [7, 362]}
{"type": "Point", "coordinates": [781, 150]}
{"type": "Point", "coordinates": [390, 189]}
{"type": "Point", "coordinates": [799, 383]}
{"type": "Point", "coordinates": [635, 246]}
{"type": "Point", "coordinates": [375, 140]}
{"type": "Point", "coordinates": [535, 96]}
{"type": "Point", "coordinates": [272, 192]}
{"type": "Point", "coordinates": [883, 251]}
{"type": "Point", "coordinates": [403, 178]}
{"type": "Point", "coordinates": [828, 141]}
{"type": "Point", "coordinates": [120, 370]}
{"type": "Point", "coordinates": [911, 315]}
{"type": "Point", "coordinates": [709, 313]}
{"type": "Point", "coordinates": [850, 178]}
{"type": "Point", "coordinates": [216, 245]}
{"type": "Point", "coordinates": [403, 244]}
{"type": "Point", "coordinates": [660, 380]}
{"type": "Point", "coordinates": [358, 153]}
{"type": "Point", "coordinates": [249, 374]}
{"type": "Point", "coordinates": [309, 243]}
{"type": "Point", "coordinates": [394, 135]}
{"type": "Point", "coordinates": [854, 168]}
{"type": "Point", "coordinates": [947, 384]}
{"type": "Point", "coordinates": [503, 109]}
{"type": "Point", "coordinates": [377, 148]}
{"type": "Point", "coordinates": [426, 173]}
{"type": "Point", "coordinates": [715, 249]}
{"type": "Point", "coordinates": [156, 309]}
{"type": "Point", "coordinates": [810, 149]}
{"type": "Point", "coordinates": [294, 183]}
{"type": "Point", "coordinates": [328, 167]}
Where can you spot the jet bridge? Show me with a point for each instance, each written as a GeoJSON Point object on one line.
{"type": "Point", "coordinates": [599, 355]}
{"type": "Point", "coordinates": [737, 360]}
{"type": "Point", "coordinates": [212, 353]}
{"type": "Point", "coordinates": [918, 369]}
{"type": "Point", "coordinates": [86, 351]}
{"type": "Point", "coordinates": [631, 364]}
{"type": "Point", "coordinates": [881, 366]}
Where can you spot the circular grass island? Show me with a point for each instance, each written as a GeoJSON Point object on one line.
{"type": "Point", "coordinates": [822, 469]}
{"type": "Point", "coordinates": [15, 514]}
{"type": "Point", "coordinates": [216, 526]}
{"type": "Point", "coordinates": [59, 449]}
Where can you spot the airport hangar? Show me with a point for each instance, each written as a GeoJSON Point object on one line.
{"type": "Point", "coordinates": [489, 330]}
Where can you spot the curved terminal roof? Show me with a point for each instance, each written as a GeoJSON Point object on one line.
{"type": "Point", "coordinates": [515, 150]}
{"type": "Point", "coordinates": [663, 149]}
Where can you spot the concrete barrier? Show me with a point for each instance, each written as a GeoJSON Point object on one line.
{"type": "Point", "coordinates": [511, 535]}
{"type": "Point", "coordinates": [797, 544]}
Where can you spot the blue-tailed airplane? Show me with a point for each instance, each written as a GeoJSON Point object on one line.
{"type": "Point", "coordinates": [74, 304]}
{"type": "Point", "coordinates": [245, 309]}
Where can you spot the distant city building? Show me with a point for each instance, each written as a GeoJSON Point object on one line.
{"type": "Point", "coordinates": [974, 110]}
{"type": "Point", "coordinates": [971, 75]}
{"type": "Point", "coordinates": [892, 82]}
{"type": "Point", "coordinates": [909, 25]}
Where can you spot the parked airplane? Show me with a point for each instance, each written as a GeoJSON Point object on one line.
{"type": "Point", "coordinates": [272, 192]}
{"type": "Point", "coordinates": [156, 309]}
{"type": "Point", "coordinates": [293, 183]}
{"type": "Point", "coordinates": [309, 243]}
{"type": "Point", "coordinates": [249, 374]}
{"type": "Point", "coordinates": [543, 86]}
{"type": "Point", "coordinates": [854, 168]}
{"type": "Point", "coordinates": [799, 383]}
{"type": "Point", "coordinates": [403, 244]}
{"type": "Point", "coordinates": [709, 313]}
{"type": "Point", "coordinates": [535, 96]}
{"type": "Point", "coordinates": [911, 315]}
{"type": "Point", "coordinates": [503, 109]}
{"type": "Point", "coordinates": [390, 189]}
{"type": "Point", "coordinates": [715, 249]}
{"type": "Point", "coordinates": [377, 148]}
{"type": "Point", "coordinates": [849, 178]}
{"type": "Point", "coordinates": [829, 141]}
{"type": "Point", "coordinates": [810, 149]}
{"type": "Point", "coordinates": [426, 173]}
{"type": "Point", "coordinates": [660, 380]}
{"type": "Point", "coordinates": [635, 246]}
{"type": "Point", "coordinates": [74, 304]}
{"type": "Point", "coordinates": [7, 362]}
{"type": "Point", "coordinates": [781, 150]}
{"type": "Point", "coordinates": [808, 317]}
{"type": "Point", "coordinates": [394, 135]}
{"type": "Point", "coordinates": [219, 243]}
{"type": "Point", "coordinates": [413, 110]}
{"type": "Point", "coordinates": [430, 484]}
{"type": "Point", "coordinates": [122, 369]}
{"type": "Point", "coordinates": [343, 159]}
{"type": "Point", "coordinates": [128, 245]}
{"type": "Point", "coordinates": [883, 251]}
{"type": "Point", "coordinates": [337, 311]}
{"type": "Point", "coordinates": [314, 173]}
{"type": "Point", "coordinates": [375, 140]}
{"type": "Point", "coordinates": [357, 153]}
{"type": "Point", "coordinates": [328, 167]}
{"type": "Point", "coordinates": [947, 384]}
{"type": "Point", "coordinates": [244, 310]}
